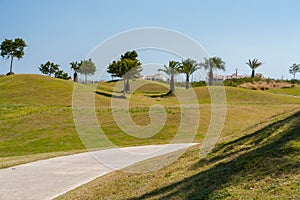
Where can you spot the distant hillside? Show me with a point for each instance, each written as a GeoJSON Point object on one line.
{"type": "Point", "coordinates": [35, 90]}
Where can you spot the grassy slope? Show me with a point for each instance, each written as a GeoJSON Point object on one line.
{"type": "Point", "coordinates": [261, 165]}
{"type": "Point", "coordinates": [294, 91]}
{"type": "Point", "coordinates": [36, 115]}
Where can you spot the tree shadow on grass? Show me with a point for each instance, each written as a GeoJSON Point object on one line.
{"type": "Point", "coordinates": [167, 94]}
{"type": "Point", "coordinates": [267, 157]}
{"type": "Point", "coordinates": [110, 95]}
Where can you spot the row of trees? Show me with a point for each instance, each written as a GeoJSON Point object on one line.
{"type": "Point", "coordinates": [128, 67]}
{"type": "Point", "coordinates": [11, 49]}
{"type": "Point", "coordinates": [85, 67]}
{"type": "Point", "coordinates": [189, 66]}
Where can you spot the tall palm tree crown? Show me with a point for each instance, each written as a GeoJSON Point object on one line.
{"type": "Point", "coordinates": [253, 64]}
{"type": "Point", "coordinates": [211, 64]}
{"type": "Point", "coordinates": [188, 67]}
{"type": "Point", "coordinates": [171, 70]}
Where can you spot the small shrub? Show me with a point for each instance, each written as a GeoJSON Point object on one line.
{"type": "Point", "coordinates": [198, 84]}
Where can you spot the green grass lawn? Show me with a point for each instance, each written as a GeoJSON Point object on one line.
{"type": "Point", "coordinates": [36, 115]}
{"type": "Point", "coordinates": [294, 91]}
{"type": "Point", "coordinates": [257, 155]}
{"type": "Point", "coordinates": [263, 164]}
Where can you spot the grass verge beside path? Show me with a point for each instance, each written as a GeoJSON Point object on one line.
{"type": "Point", "coordinates": [263, 164]}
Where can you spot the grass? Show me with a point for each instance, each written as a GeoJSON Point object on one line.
{"type": "Point", "coordinates": [294, 91]}
{"type": "Point", "coordinates": [36, 114]}
{"type": "Point", "coordinates": [263, 164]}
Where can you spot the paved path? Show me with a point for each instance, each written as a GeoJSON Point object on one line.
{"type": "Point", "coordinates": [47, 179]}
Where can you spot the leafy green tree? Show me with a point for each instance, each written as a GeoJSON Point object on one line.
{"type": "Point", "coordinates": [127, 67]}
{"type": "Point", "coordinates": [294, 69]}
{"type": "Point", "coordinates": [87, 68]}
{"type": "Point", "coordinates": [188, 67]}
{"type": "Point", "coordinates": [12, 49]}
{"type": "Point", "coordinates": [171, 70]}
{"type": "Point", "coordinates": [253, 64]}
{"type": "Point", "coordinates": [48, 68]}
{"type": "Point", "coordinates": [75, 67]}
{"type": "Point", "coordinates": [211, 64]}
{"type": "Point", "coordinates": [61, 74]}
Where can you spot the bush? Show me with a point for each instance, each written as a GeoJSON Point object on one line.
{"type": "Point", "coordinates": [236, 82]}
{"type": "Point", "coordinates": [294, 81]}
{"type": "Point", "coordinates": [198, 84]}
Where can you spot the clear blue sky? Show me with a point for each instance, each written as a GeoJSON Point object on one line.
{"type": "Point", "coordinates": [235, 30]}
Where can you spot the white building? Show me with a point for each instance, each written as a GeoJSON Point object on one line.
{"type": "Point", "coordinates": [155, 77]}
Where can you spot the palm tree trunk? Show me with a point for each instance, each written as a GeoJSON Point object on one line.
{"type": "Point", "coordinates": [85, 79]}
{"type": "Point", "coordinates": [127, 85]}
{"type": "Point", "coordinates": [11, 63]}
{"type": "Point", "coordinates": [253, 73]}
{"type": "Point", "coordinates": [172, 85]}
{"type": "Point", "coordinates": [75, 77]}
{"type": "Point", "coordinates": [124, 87]}
{"type": "Point", "coordinates": [187, 82]}
{"type": "Point", "coordinates": [210, 78]}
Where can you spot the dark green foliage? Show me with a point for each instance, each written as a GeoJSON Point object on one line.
{"type": "Point", "coordinates": [198, 84]}
{"type": "Point", "coordinates": [12, 49]}
{"type": "Point", "coordinates": [293, 81]}
{"type": "Point", "coordinates": [61, 74]}
{"type": "Point", "coordinates": [253, 64]}
{"type": "Point", "coordinates": [211, 64]}
{"type": "Point", "coordinates": [172, 71]}
{"type": "Point", "coordinates": [188, 67]}
{"type": "Point", "coordinates": [127, 67]}
{"type": "Point", "coordinates": [236, 82]}
{"type": "Point", "coordinates": [294, 69]}
{"type": "Point", "coordinates": [87, 68]}
{"type": "Point", "coordinates": [50, 68]}
{"type": "Point", "coordinates": [75, 67]}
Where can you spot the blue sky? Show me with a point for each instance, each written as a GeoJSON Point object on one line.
{"type": "Point", "coordinates": [235, 30]}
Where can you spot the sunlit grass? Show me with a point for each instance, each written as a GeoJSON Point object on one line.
{"type": "Point", "coordinates": [36, 113]}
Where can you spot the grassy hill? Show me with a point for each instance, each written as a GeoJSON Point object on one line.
{"type": "Point", "coordinates": [36, 115]}
{"type": "Point", "coordinates": [261, 165]}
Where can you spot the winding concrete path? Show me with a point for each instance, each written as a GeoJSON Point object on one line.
{"type": "Point", "coordinates": [47, 179]}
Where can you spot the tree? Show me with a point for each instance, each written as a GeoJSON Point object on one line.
{"type": "Point", "coordinates": [171, 70]}
{"type": "Point", "coordinates": [87, 68]}
{"type": "Point", "coordinates": [188, 67]}
{"type": "Point", "coordinates": [253, 64]}
{"type": "Point", "coordinates": [127, 67]}
{"type": "Point", "coordinates": [61, 74]}
{"type": "Point", "coordinates": [294, 69]}
{"type": "Point", "coordinates": [211, 64]}
{"type": "Point", "coordinates": [49, 68]}
{"type": "Point", "coordinates": [12, 49]}
{"type": "Point", "coordinates": [75, 67]}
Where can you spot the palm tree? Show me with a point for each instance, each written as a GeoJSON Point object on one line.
{"type": "Point", "coordinates": [188, 67]}
{"type": "Point", "coordinates": [211, 64]}
{"type": "Point", "coordinates": [253, 64]}
{"type": "Point", "coordinates": [294, 69]}
{"type": "Point", "coordinates": [75, 67]}
{"type": "Point", "coordinates": [171, 70]}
